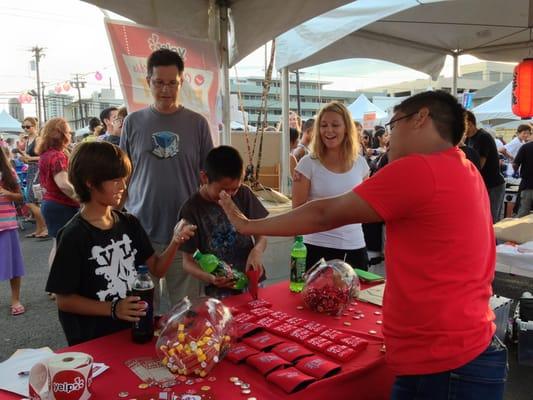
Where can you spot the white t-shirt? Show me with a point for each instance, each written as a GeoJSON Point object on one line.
{"type": "Point", "coordinates": [325, 183]}
{"type": "Point", "coordinates": [499, 144]}
{"type": "Point", "coordinates": [513, 146]}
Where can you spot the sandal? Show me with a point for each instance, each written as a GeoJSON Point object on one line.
{"type": "Point", "coordinates": [17, 310]}
{"type": "Point", "coordinates": [31, 235]}
{"type": "Point", "coordinates": [42, 236]}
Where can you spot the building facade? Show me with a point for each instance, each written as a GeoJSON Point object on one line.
{"type": "Point", "coordinates": [472, 77]}
{"type": "Point", "coordinates": [312, 97]}
{"type": "Point", "coordinates": [15, 109]}
{"type": "Point", "coordinates": [91, 107]}
{"type": "Point", "coordinates": [54, 104]}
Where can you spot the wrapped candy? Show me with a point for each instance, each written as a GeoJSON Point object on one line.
{"type": "Point", "coordinates": [330, 286]}
{"type": "Point", "coordinates": [195, 337]}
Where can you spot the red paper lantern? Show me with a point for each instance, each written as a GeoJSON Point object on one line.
{"type": "Point", "coordinates": [522, 99]}
{"type": "Point", "coordinates": [98, 76]}
{"type": "Point", "coordinates": [66, 86]}
{"type": "Point", "coordinates": [58, 89]}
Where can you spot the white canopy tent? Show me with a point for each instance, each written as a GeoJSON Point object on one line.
{"type": "Point", "coordinates": [362, 106]}
{"type": "Point", "coordinates": [240, 27]}
{"type": "Point", "coordinates": [417, 36]}
{"type": "Point", "coordinates": [498, 109]}
{"type": "Point", "coordinates": [9, 124]}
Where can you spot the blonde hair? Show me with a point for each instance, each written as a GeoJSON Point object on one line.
{"type": "Point", "coordinates": [55, 135]}
{"type": "Point", "coordinates": [32, 120]}
{"type": "Point", "coordinates": [350, 143]}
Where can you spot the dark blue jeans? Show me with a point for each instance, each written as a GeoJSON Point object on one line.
{"type": "Point", "coordinates": [481, 379]}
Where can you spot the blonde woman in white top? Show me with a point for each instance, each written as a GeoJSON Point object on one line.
{"type": "Point", "coordinates": [333, 167]}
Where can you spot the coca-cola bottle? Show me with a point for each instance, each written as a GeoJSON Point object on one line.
{"type": "Point", "coordinates": [143, 330]}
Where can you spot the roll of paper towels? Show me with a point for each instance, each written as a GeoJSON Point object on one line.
{"type": "Point", "coordinates": [66, 376]}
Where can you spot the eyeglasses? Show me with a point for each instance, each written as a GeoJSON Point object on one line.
{"type": "Point", "coordinates": [26, 126]}
{"type": "Point", "coordinates": [160, 84]}
{"type": "Point", "coordinates": [118, 121]}
{"type": "Point", "coordinates": [392, 122]}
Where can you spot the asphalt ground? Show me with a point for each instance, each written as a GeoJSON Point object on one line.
{"type": "Point", "coordinates": [39, 326]}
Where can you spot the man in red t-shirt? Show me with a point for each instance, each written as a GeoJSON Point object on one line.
{"type": "Point", "coordinates": [440, 253]}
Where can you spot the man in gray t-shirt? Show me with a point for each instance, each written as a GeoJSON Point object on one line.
{"type": "Point", "coordinates": [167, 145]}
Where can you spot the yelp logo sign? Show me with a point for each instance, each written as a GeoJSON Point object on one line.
{"type": "Point", "coordinates": [68, 385]}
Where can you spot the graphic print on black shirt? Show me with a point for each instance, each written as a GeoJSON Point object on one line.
{"type": "Point", "coordinates": [117, 266]}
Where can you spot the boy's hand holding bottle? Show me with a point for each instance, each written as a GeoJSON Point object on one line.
{"type": "Point", "coordinates": [183, 231]}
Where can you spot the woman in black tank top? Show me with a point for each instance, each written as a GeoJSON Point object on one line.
{"type": "Point", "coordinates": [31, 158]}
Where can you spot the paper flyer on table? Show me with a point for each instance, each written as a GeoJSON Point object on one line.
{"type": "Point", "coordinates": [18, 362]}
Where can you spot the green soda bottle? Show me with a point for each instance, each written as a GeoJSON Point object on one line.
{"type": "Point", "coordinates": [298, 256]}
{"type": "Point", "coordinates": [213, 265]}
{"type": "Point", "coordinates": [208, 262]}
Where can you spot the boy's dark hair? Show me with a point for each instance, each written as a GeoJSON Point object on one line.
{"type": "Point", "coordinates": [163, 57]}
{"type": "Point", "coordinates": [308, 124]}
{"type": "Point", "coordinates": [96, 162]}
{"type": "Point", "coordinates": [447, 114]}
{"type": "Point", "coordinates": [223, 162]}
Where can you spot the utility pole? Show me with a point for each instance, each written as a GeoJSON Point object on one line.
{"type": "Point", "coordinates": [78, 84]}
{"type": "Point", "coordinates": [298, 93]}
{"type": "Point", "coordinates": [37, 54]}
{"type": "Point", "coordinates": [44, 102]}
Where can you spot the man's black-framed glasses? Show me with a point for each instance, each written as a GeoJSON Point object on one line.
{"type": "Point", "coordinates": [391, 123]}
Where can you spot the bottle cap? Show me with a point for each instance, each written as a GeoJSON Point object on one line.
{"type": "Point", "coordinates": [299, 238]}
{"type": "Point", "coordinates": [142, 269]}
{"type": "Point", "coordinates": [197, 255]}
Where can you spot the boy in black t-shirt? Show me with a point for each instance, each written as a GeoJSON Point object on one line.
{"type": "Point", "coordinates": [215, 234]}
{"type": "Point", "coordinates": [100, 248]}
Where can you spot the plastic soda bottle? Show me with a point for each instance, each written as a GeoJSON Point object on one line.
{"type": "Point", "coordinates": [213, 265]}
{"type": "Point", "coordinates": [143, 286]}
{"type": "Point", "coordinates": [298, 257]}
{"type": "Point", "coordinates": [208, 262]}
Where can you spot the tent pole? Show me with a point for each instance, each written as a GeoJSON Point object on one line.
{"type": "Point", "coordinates": [455, 72]}
{"type": "Point", "coordinates": [224, 54]}
{"type": "Point", "coordinates": [284, 142]}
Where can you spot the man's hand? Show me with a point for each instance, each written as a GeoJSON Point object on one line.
{"type": "Point", "coordinates": [183, 231]}
{"type": "Point", "coordinates": [235, 216]}
{"type": "Point", "coordinates": [130, 309]}
{"type": "Point", "coordinates": [255, 261]}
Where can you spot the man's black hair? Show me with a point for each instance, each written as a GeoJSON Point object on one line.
{"type": "Point", "coordinates": [164, 57]}
{"type": "Point", "coordinates": [447, 114]}
{"type": "Point", "coordinates": [379, 131]}
{"type": "Point", "coordinates": [106, 112]}
{"type": "Point", "coordinates": [223, 162]}
{"type": "Point", "coordinates": [93, 123]}
{"type": "Point", "coordinates": [470, 117]}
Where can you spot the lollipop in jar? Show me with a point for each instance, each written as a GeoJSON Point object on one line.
{"type": "Point", "coordinates": [195, 337]}
{"type": "Point", "coordinates": [330, 286]}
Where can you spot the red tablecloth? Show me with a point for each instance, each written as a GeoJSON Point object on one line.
{"type": "Point", "coordinates": [364, 377]}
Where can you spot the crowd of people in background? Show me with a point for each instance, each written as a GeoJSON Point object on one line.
{"type": "Point", "coordinates": [137, 188]}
